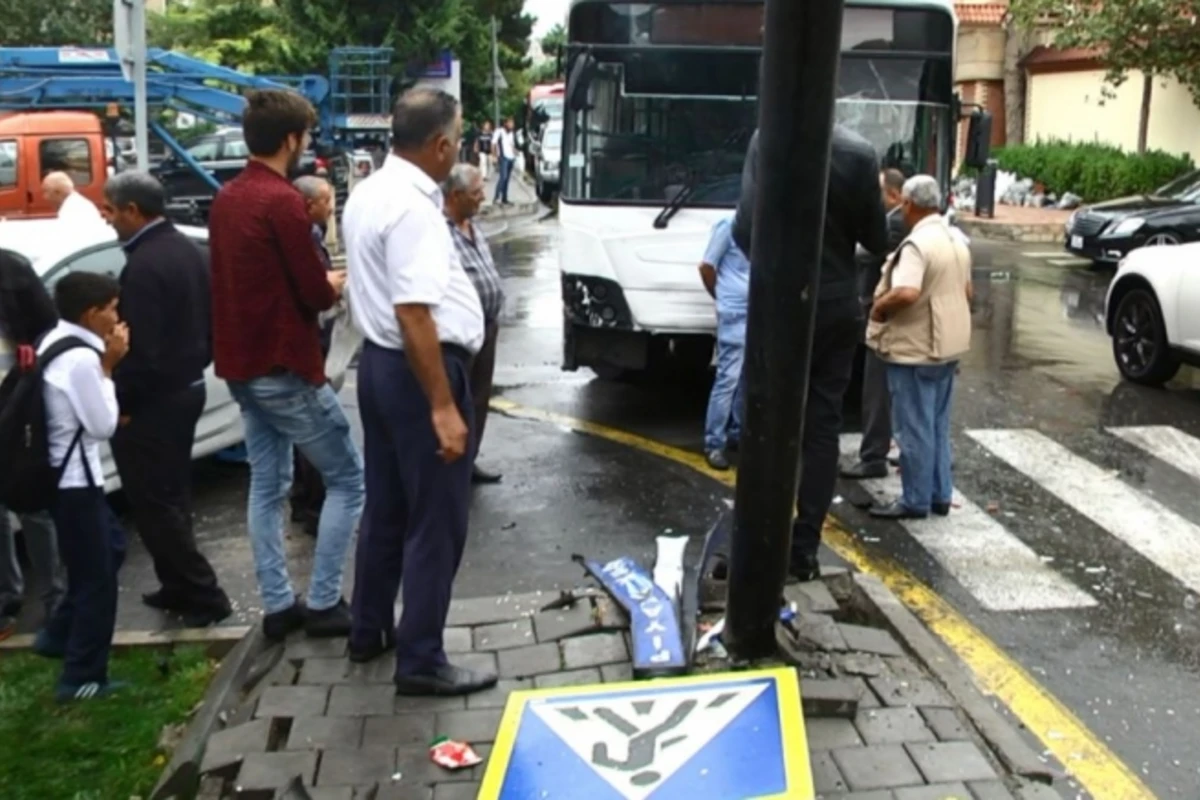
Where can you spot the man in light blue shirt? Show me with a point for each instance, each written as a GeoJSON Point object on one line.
{"type": "Point", "coordinates": [725, 271]}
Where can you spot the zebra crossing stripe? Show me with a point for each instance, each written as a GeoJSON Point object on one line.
{"type": "Point", "coordinates": [1165, 443]}
{"type": "Point", "coordinates": [1159, 534]}
{"type": "Point", "coordinates": [999, 570]}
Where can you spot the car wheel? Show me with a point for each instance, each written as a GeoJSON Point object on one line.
{"type": "Point", "coordinates": [1164, 238]}
{"type": "Point", "coordinates": [1140, 345]}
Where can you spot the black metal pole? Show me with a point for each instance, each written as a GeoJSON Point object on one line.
{"type": "Point", "coordinates": [802, 44]}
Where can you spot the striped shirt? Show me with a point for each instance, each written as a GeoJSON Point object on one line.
{"type": "Point", "coordinates": [476, 257]}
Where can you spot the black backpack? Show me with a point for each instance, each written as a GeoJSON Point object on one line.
{"type": "Point", "coordinates": [28, 480]}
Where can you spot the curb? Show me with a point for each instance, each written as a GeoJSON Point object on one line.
{"type": "Point", "coordinates": [181, 777]}
{"type": "Point", "coordinates": [219, 640]}
{"type": "Point", "coordinates": [1004, 740]}
{"type": "Point", "coordinates": [515, 210]}
{"type": "Point", "coordinates": [1043, 233]}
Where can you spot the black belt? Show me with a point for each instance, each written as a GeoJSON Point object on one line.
{"type": "Point", "coordinates": [456, 350]}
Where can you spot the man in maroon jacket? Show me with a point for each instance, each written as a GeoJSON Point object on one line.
{"type": "Point", "coordinates": [269, 284]}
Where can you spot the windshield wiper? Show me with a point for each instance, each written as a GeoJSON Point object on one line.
{"type": "Point", "coordinates": [664, 216]}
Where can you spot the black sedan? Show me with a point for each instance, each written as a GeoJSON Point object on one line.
{"type": "Point", "coordinates": [1106, 232]}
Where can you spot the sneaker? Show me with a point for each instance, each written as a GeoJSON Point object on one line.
{"type": "Point", "coordinates": [328, 623]}
{"type": "Point", "coordinates": [87, 691]}
{"type": "Point", "coordinates": [717, 459]}
{"type": "Point", "coordinates": [278, 625]}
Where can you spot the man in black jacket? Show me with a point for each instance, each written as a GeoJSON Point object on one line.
{"type": "Point", "coordinates": [876, 400]}
{"type": "Point", "coordinates": [854, 216]}
{"type": "Point", "coordinates": [165, 300]}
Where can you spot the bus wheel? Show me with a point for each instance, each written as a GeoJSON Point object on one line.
{"type": "Point", "coordinates": [607, 372]}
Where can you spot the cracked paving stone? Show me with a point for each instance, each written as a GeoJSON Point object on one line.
{"type": "Point", "coordinates": [356, 767]}
{"type": "Point", "coordinates": [825, 774]}
{"type": "Point", "coordinates": [862, 639]}
{"type": "Point", "coordinates": [470, 726]}
{"type": "Point", "coordinates": [231, 745]}
{"type": "Point", "coordinates": [575, 677]}
{"type": "Point", "coordinates": [946, 723]}
{"type": "Point", "coordinates": [272, 770]}
{"type": "Point", "coordinates": [321, 671]}
{"type": "Point", "coordinates": [497, 696]}
{"type": "Point", "coordinates": [938, 791]}
{"type": "Point", "coordinates": [829, 698]}
{"type": "Point", "coordinates": [895, 692]}
{"type": "Point", "coordinates": [315, 648]}
{"type": "Point", "coordinates": [360, 701]}
{"type": "Point", "coordinates": [292, 701]}
{"type": "Point", "coordinates": [817, 630]}
{"type": "Point", "coordinates": [831, 734]}
{"type": "Point", "coordinates": [318, 733]}
{"type": "Point", "coordinates": [550, 626]}
{"type": "Point", "coordinates": [812, 596]}
{"type": "Point", "coordinates": [892, 726]}
{"type": "Point", "coordinates": [406, 704]}
{"type": "Point", "coordinates": [947, 762]}
{"type": "Point", "coordinates": [877, 767]}
{"type": "Point", "coordinates": [504, 635]}
{"type": "Point", "coordinates": [989, 790]}
{"type": "Point", "coordinates": [594, 650]}
{"type": "Point", "coordinates": [862, 664]}
{"type": "Point", "coordinates": [525, 662]}
{"type": "Point", "coordinates": [868, 698]}
{"type": "Point", "coordinates": [488, 610]}
{"type": "Point", "coordinates": [400, 730]}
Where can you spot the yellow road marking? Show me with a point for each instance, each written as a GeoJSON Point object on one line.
{"type": "Point", "coordinates": [1085, 755]}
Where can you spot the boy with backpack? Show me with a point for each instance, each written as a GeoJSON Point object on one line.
{"type": "Point", "coordinates": [58, 467]}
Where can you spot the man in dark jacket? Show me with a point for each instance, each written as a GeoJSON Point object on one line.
{"type": "Point", "coordinates": [165, 300]}
{"type": "Point", "coordinates": [876, 402]}
{"type": "Point", "coordinates": [854, 216]}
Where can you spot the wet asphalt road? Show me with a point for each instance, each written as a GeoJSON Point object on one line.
{"type": "Point", "coordinates": [1124, 659]}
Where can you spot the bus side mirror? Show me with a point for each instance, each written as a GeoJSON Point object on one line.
{"type": "Point", "coordinates": [979, 139]}
{"type": "Point", "coordinates": [583, 70]}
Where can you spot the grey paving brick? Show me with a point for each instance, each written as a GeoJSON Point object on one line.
{"type": "Point", "coordinates": [233, 744]}
{"type": "Point", "coordinates": [403, 790]}
{"type": "Point", "coordinates": [905, 668]}
{"type": "Point", "coordinates": [455, 791]}
{"type": "Point", "coordinates": [317, 733]}
{"type": "Point", "coordinates": [320, 671]}
{"type": "Point", "coordinates": [947, 762]}
{"type": "Point", "coordinates": [525, 662]}
{"type": "Point", "coordinates": [611, 614]}
{"type": "Point", "coordinates": [301, 647]}
{"type": "Point", "coordinates": [989, 790]}
{"type": "Point", "coordinates": [946, 723]}
{"type": "Point", "coordinates": [1036, 791]}
{"type": "Point", "coordinates": [292, 701]}
{"type": "Point", "coordinates": [479, 662]}
{"type": "Point", "coordinates": [416, 768]}
{"type": "Point", "coordinates": [895, 692]}
{"type": "Point", "coordinates": [616, 673]}
{"type": "Point", "coordinates": [403, 704]}
{"type": "Point", "coordinates": [864, 664]}
{"type": "Point", "coordinates": [456, 640]}
{"type": "Point", "coordinates": [825, 774]}
{"type": "Point", "coordinates": [892, 726]}
{"type": "Point", "coordinates": [879, 794]}
{"type": "Point", "coordinates": [937, 791]}
{"type": "Point", "coordinates": [380, 670]}
{"type": "Point", "coordinates": [486, 610]}
{"type": "Point", "coordinates": [819, 631]}
{"type": "Point", "coordinates": [575, 677]}
{"type": "Point", "coordinates": [504, 635]}
{"type": "Point", "coordinates": [274, 770]}
{"type": "Point", "coordinates": [356, 767]}
{"type": "Point", "coordinates": [360, 701]}
{"type": "Point", "coordinates": [594, 650]}
{"type": "Point", "coordinates": [497, 696]}
{"type": "Point", "coordinates": [331, 792]}
{"type": "Point", "coordinates": [469, 726]}
{"type": "Point", "coordinates": [883, 766]}
{"type": "Point", "coordinates": [400, 730]}
{"type": "Point", "coordinates": [550, 626]}
{"type": "Point", "coordinates": [829, 698]}
{"type": "Point", "coordinates": [830, 733]}
{"type": "Point", "coordinates": [813, 596]}
{"type": "Point", "coordinates": [869, 698]}
{"type": "Point", "coordinates": [862, 639]}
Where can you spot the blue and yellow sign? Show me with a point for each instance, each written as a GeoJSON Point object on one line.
{"type": "Point", "coordinates": [727, 736]}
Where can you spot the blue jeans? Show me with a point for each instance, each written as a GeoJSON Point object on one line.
{"type": "Point", "coordinates": [506, 168]}
{"type": "Point", "coordinates": [279, 412]}
{"type": "Point", "coordinates": [723, 423]}
{"type": "Point", "coordinates": [921, 397]}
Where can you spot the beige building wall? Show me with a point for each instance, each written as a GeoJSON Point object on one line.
{"type": "Point", "coordinates": [158, 6]}
{"type": "Point", "coordinates": [1079, 106]}
{"type": "Point", "coordinates": [980, 54]}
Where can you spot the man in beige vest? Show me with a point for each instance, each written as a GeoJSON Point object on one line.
{"type": "Point", "coordinates": [920, 326]}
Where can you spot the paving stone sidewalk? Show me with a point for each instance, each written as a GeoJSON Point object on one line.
{"type": "Point", "coordinates": [878, 727]}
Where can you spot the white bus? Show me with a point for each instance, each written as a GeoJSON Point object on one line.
{"type": "Point", "coordinates": [660, 104]}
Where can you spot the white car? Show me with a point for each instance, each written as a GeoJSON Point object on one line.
{"type": "Point", "coordinates": [56, 250]}
{"type": "Point", "coordinates": [549, 161]}
{"type": "Point", "coordinates": [1151, 312]}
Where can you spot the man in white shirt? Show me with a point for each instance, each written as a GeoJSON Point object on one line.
{"type": "Point", "coordinates": [506, 156]}
{"type": "Point", "coordinates": [72, 208]}
{"type": "Point", "coordinates": [423, 323]}
{"type": "Point", "coordinates": [81, 412]}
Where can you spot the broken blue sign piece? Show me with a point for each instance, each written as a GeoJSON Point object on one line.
{"type": "Point", "coordinates": [658, 649]}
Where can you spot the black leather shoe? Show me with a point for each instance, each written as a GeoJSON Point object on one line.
{"type": "Point", "coordinates": [896, 510]}
{"type": "Point", "coordinates": [205, 617]}
{"type": "Point", "coordinates": [941, 509]}
{"type": "Point", "coordinates": [804, 568]}
{"type": "Point", "coordinates": [163, 600]}
{"type": "Point", "coordinates": [328, 623]}
{"type": "Point", "coordinates": [717, 460]}
{"type": "Point", "coordinates": [480, 476]}
{"type": "Point", "coordinates": [277, 626]}
{"type": "Point", "coordinates": [864, 471]}
{"type": "Point", "coordinates": [446, 681]}
{"type": "Point", "coordinates": [384, 642]}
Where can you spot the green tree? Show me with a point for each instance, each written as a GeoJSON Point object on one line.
{"type": "Point", "coordinates": [1155, 37]}
{"type": "Point", "coordinates": [63, 22]}
{"type": "Point", "coordinates": [554, 40]}
{"type": "Point", "coordinates": [246, 35]}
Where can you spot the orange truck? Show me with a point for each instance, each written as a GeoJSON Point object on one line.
{"type": "Point", "coordinates": [36, 143]}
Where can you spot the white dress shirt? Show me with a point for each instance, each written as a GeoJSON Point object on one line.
{"type": "Point", "coordinates": [78, 212]}
{"type": "Point", "coordinates": [506, 143]}
{"type": "Point", "coordinates": [399, 252]}
{"type": "Point", "coordinates": [78, 394]}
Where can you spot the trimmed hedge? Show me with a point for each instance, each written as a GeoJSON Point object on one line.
{"type": "Point", "coordinates": [1093, 171]}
